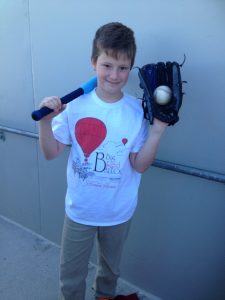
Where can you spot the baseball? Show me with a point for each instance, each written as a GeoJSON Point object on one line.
{"type": "Point", "coordinates": [162, 94]}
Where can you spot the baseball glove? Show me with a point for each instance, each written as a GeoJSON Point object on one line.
{"type": "Point", "coordinates": [161, 74]}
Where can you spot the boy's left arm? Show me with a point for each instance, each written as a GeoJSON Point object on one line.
{"type": "Point", "coordinates": [141, 160]}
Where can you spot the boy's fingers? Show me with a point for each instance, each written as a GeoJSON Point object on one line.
{"type": "Point", "coordinates": [53, 102]}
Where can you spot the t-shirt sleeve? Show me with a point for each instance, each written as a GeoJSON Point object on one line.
{"type": "Point", "coordinates": [60, 128]}
{"type": "Point", "coordinates": [141, 137]}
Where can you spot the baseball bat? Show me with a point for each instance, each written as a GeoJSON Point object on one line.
{"type": "Point", "coordinates": [85, 88]}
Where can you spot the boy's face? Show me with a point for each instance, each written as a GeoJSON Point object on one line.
{"type": "Point", "coordinates": [112, 74]}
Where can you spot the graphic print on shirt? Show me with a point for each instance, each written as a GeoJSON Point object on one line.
{"type": "Point", "coordinates": [89, 132]}
{"type": "Point", "coordinates": [105, 165]}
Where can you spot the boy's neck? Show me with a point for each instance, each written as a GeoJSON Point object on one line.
{"type": "Point", "coordinates": [109, 98]}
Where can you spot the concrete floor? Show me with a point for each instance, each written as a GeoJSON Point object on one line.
{"type": "Point", "coordinates": [29, 267]}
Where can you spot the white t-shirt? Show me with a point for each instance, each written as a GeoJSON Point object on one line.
{"type": "Point", "coordinates": [102, 187]}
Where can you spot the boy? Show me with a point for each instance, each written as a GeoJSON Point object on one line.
{"type": "Point", "coordinates": [111, 147]}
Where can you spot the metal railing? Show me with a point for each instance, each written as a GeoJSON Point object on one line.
{"type": "Point", "coordinates": [188, 170]}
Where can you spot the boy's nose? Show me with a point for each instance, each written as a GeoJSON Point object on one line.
{"type": "Point", "coordinates": [114, 74]}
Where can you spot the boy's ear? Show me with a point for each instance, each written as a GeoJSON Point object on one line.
{"type": "Point", "coordinates": [93, 62]}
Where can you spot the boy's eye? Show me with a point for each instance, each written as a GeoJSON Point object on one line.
{"type": "Point", "coordinates": [123, 68]}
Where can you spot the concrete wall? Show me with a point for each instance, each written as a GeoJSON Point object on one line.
{"type": "Point", "coordinates": [176, 246]}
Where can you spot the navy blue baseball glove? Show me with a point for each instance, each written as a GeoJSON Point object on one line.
{"type": "Point", "coordinates": [164, 75]}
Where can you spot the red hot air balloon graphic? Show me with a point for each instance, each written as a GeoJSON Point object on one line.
{"type": "Point", "coordinates": [90, 133]}
{"type": "Point", "coordinates": [124, 141]}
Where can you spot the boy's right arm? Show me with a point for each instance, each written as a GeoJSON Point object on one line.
{"type": "Point", "coordinates": [49, 145]}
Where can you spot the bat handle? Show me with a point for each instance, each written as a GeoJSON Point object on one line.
{"type": "Point", "coordinates": [87, 87]}
{"type": "Point", "coordinates": [37, 115]}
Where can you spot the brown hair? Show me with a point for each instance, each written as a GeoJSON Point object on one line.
{"type": "Point", "coordinates": [114, 39]}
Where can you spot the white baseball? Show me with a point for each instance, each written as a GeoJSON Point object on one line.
{"type": "Point", "coordinates": [162, 94]}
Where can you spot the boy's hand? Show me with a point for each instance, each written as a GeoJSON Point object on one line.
{"type": "Point", "coordinates": [52, 102]}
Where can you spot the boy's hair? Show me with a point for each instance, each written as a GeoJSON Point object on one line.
{"type": "Point", "coordinates": [114, 39]}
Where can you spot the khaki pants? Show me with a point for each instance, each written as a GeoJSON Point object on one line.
{"type": "Point", "coordinates": [77, 244]}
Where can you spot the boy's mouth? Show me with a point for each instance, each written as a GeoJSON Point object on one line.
{"type": "Point", "coordinates": [113, 82]}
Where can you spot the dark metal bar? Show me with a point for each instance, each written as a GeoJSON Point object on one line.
{"type": "Point", "coordinates": [20, 132]}
{"type": "Point", "coordinates": [192, 171]}
{"type": "Point", "coordinates": [209, 175]}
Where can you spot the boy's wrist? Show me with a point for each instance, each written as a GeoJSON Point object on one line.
{"type": "Point", "coordinates": [45, 122]}
{"type": "Point", "coordinates": [158, 126]}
